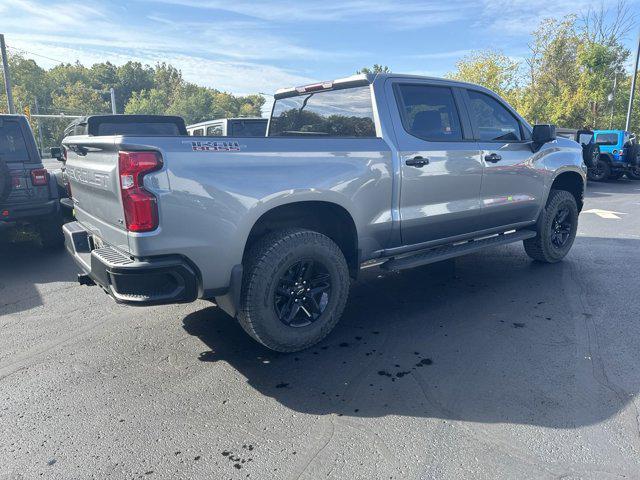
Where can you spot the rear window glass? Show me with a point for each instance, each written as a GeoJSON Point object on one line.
{"type": "Point", "coordinates": [248, 128]}
{"type": "Point", "coordinates": [198, 132]}
{"type": "Point", "coordinates": [607, 139]}
{"type": "Point", "coordinates": [13, 147]}
{"type": "Point", "coordinates": [429, 112]}
{"type": "Point", "coordinates": [347, 112]}
{"type": "Point", "coordinates": [138, 128]}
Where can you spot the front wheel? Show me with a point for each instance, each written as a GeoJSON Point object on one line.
{"type": "Point", "coordinates": [600, 172]}
{"type": "Point", "coordinates": [294, 289]}
{"type": "Point", "coordinates": [556, 228]}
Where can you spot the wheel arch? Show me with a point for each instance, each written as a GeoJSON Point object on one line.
{"type": "Point", "coordinates": [326, 217]}
{"type": "Point", "coordinates": [572, 182]}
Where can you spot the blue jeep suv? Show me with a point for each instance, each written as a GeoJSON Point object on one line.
{"type": "Point", "coordinates": [619, 155]}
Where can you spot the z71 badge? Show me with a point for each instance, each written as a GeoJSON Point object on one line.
{"type": "Point", "coordinates": [214, 146]}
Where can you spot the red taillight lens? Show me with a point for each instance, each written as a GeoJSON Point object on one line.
{"type": "Point", "coordinates": [140, 206]}
{"type": "Point", "coordinates": [39, 177]}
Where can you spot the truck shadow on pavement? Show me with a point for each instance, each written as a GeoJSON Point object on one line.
{"type": "Point", "coordinates": [490, 338]}
{"type": "Point", "coordinates": [23, 265]}
{"type": "Point", "coordinates": [612, 188]}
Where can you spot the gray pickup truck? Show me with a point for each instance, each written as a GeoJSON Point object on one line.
{"type": "Point", "coordinates": [400, 170]}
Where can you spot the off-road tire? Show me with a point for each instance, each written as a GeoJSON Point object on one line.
{"type": "Point", "coordinates": [541, 247]}
{"type": "Point", "coordinates": [634, 173]}
{"type": "Point", "coordinates": [50, 231]}
{"type": "Point", "coordinates": [602, 172]}
{"type": "Point", "coordinates": [591, 154]}
{"type": "Point", "coordinates": [5, 181]}
{"type": "Point", "coordinates": [264, 265]}
{"type": "Point", "coordinates": [616, 175]}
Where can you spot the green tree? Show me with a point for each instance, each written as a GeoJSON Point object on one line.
{"type": "Point", "coordinates": [375, 69]}
{"type": "Point", "coordinates": [493, 70]}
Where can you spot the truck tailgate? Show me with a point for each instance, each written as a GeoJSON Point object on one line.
{"type": "Point", "coordinates": [92, 167]}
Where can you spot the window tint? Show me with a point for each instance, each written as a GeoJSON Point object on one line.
{"type": "Point", "coordinates": [429, 112]}
{"type": "Point", "coordinates": [347, 112]}
{"type": "Point", "coordinates": [12, 145]}
{"type": "Point", "coordinates": [493, 120]}
{"type": "Point", "coordinates": [215, 131]}
{"type": "Point", "coordinates": [248, 128]}
{"type": "Point", "coordinates": [607, 139]}
{"type": "Point", "coordinates": [198, 132]}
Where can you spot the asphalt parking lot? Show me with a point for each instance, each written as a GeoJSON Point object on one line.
{"type": "Point", "coordinates": [487, 367]}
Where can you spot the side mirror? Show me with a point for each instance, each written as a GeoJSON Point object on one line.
{"type": "Point", "coordinates": [56, 152]}
{"type": "Point", "coordinates": [542, 134]}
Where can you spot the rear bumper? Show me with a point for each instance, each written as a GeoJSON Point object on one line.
{"type": "Point", "coordinates": [25, 211]}
{"type": "Point", "coordinates": [149, 281]}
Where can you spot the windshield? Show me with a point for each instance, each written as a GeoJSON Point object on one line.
{"type": "Point", "coordinates": [346, 112]}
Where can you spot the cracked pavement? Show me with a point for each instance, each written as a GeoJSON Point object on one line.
{"type": "Point", "coordinates": [490, 366]}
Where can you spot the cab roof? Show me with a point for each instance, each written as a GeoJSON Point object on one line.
{"type": "Point", "coordinates": [362, 79]}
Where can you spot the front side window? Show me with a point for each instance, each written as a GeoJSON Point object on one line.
{"type": "Point", "coordinates": [429, 112]}
{"type": "Point", "coordinates": [495, 123]}
{"type": "Point", "coordinates": [347, 112]}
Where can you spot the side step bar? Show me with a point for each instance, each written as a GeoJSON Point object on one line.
{"type": "Point", "coordinates": [446, 252]}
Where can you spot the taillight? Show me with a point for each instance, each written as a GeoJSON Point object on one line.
{"type": "Point", "coordinates": [39, 177]}
{"type": "Point", "coordinates": [140, 206]}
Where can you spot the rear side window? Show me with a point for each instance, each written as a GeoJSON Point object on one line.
{"type": "Point", "coordinates": [13, 147]}
{"type": "Point", "coordinates": [492, 119]}
{"type": "Point", "coordinates": [248, 128]}
{"type": "Point", "coordinates": [429, 112]}
{"type": "Point", "coordinates": [607, 139]}
{"type": "Point", "coordinates": [214, 131]}
{"type": "Point", "coordinates": [347, 112]}
{"type": "Point", "coordinates": [198, 132]}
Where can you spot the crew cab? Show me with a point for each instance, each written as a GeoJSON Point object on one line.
{"type": "Point", "coordinates": [395, 169]}
{"type": "Point", "coordinates": [28, 195]}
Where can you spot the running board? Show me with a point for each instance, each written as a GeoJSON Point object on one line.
{"type": "Point", "coordinates": [438, 254]}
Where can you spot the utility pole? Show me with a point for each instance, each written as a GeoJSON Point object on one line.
{"type": "Point", "coordinates": [39, 125]}
{"type": "Point", "coordinates": [633, 88]}
{"type": "Point", "coordinates": [613, 99]}
{"type": "Point", "coordinates": [7, 77]}
{"type": "Point", "coordinates": [113, 100]}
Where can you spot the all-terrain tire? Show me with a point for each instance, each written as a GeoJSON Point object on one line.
{"type": "Point", "coordinates": [616, 175]}
{"type": "Point", "coordinates": [601, 172]}
{"type": "Point", "coordinates": [265, 264]}
{"type": "Point", "coordinates": [50, 230]}
{"type": "Point", "coordinates": [633, 173]}
{"type": "Point", "coordinates": [542, 247]}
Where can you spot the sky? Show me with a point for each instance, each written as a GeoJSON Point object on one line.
{"type": "Point", "coordinates": [245, 46]}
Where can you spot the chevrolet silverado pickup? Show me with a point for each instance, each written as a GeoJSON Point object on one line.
{"type": "Point", "coordinates": [394, 169]}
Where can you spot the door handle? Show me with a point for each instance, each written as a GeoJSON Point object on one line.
{"type": "Point", "coordinates": [492, 157]}
{"type": "Point", "coordinates": [417, 162]}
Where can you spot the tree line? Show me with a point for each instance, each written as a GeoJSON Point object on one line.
{"type": "Point", "coordinates": [74, 89]}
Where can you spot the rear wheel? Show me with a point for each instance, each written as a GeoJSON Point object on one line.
{"type": "Point", "coordinates": [294, 289]}
{"type": "Point", "coordinates": [600, 172]}
{"type": "Point", "coordinates": [556, 228]}
{"type": "Point", "coordinates": [616, 175]}
{"type": "Point", "coordinates": [50, 230]}
{"type": "Point", "coordinates": [633, 173]}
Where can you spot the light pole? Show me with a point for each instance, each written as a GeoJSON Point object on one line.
{"type": "Point", "coordinates": [7, 77]}
{"type": "Point", "coordinates": [633, 88]}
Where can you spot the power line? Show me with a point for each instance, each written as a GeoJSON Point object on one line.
{"type": "Point", "coordinates": [36, 54]}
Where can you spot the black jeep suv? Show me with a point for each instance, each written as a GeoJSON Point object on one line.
{"type": "Point", "coordinates": [28, 195]}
